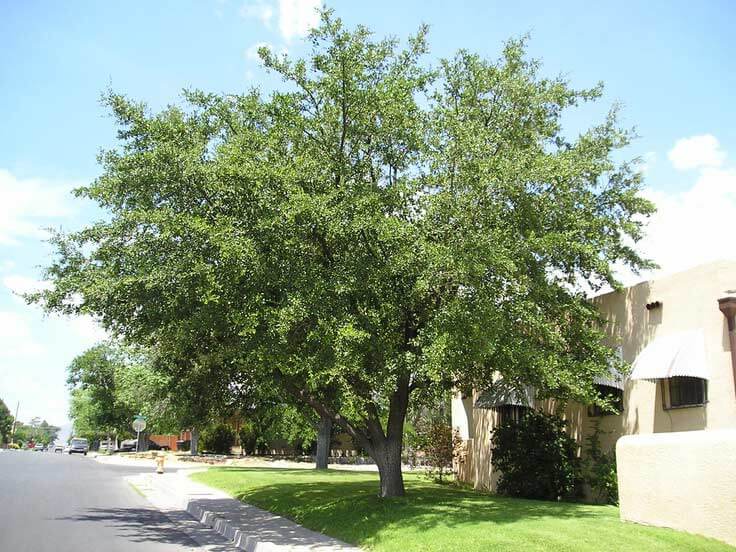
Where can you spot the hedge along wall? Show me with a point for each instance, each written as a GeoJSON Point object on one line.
{"type": "Point", "coordinates": [683, 480]}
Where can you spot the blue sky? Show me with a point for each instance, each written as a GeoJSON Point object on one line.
{"type": "Point", "coordinates": [671, 65]}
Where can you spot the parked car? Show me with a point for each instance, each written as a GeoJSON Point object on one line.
{"type": "Point", "coordinates": [79, 444]}
{"type": "Point", "coordinates": [128, 445]}
{"type": "Point", "coordinates": [39, 447]}
{"type": "Point", "coordinates": [107, 445]}
{"type": "Point", "coordinates": [58, 447]}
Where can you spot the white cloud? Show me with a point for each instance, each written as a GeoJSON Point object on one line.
{"type": "Point", "coordinates": [7, 265]}
{"type": "Point", "coordinates": [22, 284]}
{"type": "Point", "coordinates": [16, 337]}
{"type": "Point", "coordinates": [647, 162]}
{"type": "Point", "coordinates": [263, 11]}
{"type": "Point", "coordinates": [28, 204]}
{"type": "Point", "coordinates": [697, 152]}
{"type": "Point", "coordinates": [252, 52]}
{"type": "Point", "coordinates": [691, 227]}
{"type": "Point", "coordinates": [87, 329]}
{"type": "Point", "coordinates": [297, 17]}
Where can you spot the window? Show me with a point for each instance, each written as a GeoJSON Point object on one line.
{"type": "Point", "coordinates": [686, 391]}
{"type": "Point", "coordinates": [614, 396]}
{"type": "Point", "coordinates": [509, 412]}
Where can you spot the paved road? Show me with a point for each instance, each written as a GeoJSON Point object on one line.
{"type": "Point", "coordinates": [59, 503]}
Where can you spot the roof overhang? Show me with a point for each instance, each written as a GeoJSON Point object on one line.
{"type": "Point", "coordinates": [677, 354]}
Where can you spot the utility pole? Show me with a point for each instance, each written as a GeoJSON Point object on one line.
{"type": "Point", "coordinates": [15, 420]}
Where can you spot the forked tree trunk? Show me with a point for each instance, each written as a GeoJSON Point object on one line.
{"type": "Point", "coordinates": [194, 441]}
{"type": "Point", "coordinates": [323, 442]}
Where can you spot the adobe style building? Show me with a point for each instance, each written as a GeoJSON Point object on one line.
{"type": "Point", "coordinates": [674, 331]}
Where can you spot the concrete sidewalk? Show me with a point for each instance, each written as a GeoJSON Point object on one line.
{"type": "Point", "coordinates": [247, 527]}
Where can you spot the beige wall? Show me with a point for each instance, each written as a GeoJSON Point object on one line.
{"type": "Point", "coordinates": [684, 480]}
{"type": "Point", "coordinates": [474, 466]}
{"type": "Point", "coordinates": [689, 300]}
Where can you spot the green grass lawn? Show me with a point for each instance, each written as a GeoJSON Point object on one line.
{"type": "Point", "coordinates": [439, 517]}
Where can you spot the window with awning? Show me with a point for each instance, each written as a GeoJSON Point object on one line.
{"type": "Point", "coordinates": [680, 354]}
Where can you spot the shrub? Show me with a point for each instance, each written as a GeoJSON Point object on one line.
{"type": "Point", "coordinates": [218, 439]}
{"type": "Point", "coordinates": [248, 437]}
{"type": "Point", "coordinates": [599, 470]}
{"type": "Point", "coordinates": [536, 458]}
{"type": "Point", "coordinates": [437, 441]}
{"type": "Point", "coordinates": [15, 446]}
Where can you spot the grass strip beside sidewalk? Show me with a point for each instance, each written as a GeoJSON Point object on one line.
{"type": "Point", "coordinates": [345, 505]}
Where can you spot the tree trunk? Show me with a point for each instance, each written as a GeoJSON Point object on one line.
{"type": "Point", "coordinates": [387, 449]}
{"type": "Point", "coordinates": [388, 458]}
{"type": "Point", "coordinates": [323, 442]}
{"type": "Point", "coordinates": [142, 442]}
{"type": "Point", "coordinates": [194, 441]}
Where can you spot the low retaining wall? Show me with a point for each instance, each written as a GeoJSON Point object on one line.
{"type": "Point", "coordinates": [684, 480]}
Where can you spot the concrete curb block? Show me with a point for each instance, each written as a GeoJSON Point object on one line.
{"type": "Point", "coordinates": [264, 531]}
{"type": "Point", "coordinates": [243, 540]}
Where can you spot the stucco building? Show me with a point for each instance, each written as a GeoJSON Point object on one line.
{"type": "Point", "coordinates": [674, 334]}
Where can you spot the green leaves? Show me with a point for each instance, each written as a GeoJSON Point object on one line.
{"type": "Point", "coordinates": [376, 228]}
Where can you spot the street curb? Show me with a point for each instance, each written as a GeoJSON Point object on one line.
{"type": "Point", "coordinates": [168, 499]}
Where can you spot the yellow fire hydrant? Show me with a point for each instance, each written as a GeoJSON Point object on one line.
{"type": "Point", "coordinates": [160, 462]}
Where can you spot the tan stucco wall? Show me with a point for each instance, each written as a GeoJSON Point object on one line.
{"type": "Point", "coordinates": [689, 301]}
{"type": "Point", "coordinates": [684, 480]}
{"type": "Point", "coordinates": [475, 466]}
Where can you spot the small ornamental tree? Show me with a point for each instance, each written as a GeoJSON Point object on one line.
{"type": "Point", "coordinates": [536, 458]}
{"type": "Point", "coordinates": [377, 231]}
{"type": "Point", "coordinates": [437, 442]}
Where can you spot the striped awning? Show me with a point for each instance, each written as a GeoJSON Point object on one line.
{"type": "Point", "coordinates": [615, 378]}
{"type": "Point", "coordinates": [677, 354]}
{"type": "Point", "coordinates": [502, 393]}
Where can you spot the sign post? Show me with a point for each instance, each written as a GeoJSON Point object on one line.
{"type": "Point", "coordinates": [139, 424]}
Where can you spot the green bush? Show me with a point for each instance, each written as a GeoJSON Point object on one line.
{"type": "Point", "coordinates": [15, 446]}
{"type": "Point", "coordinates": [599, 470]}
{"type": "Point", "coordinates": [536, 458]}
{"type": "Point", "coordinates": [248, 437]}
{"type": "Point", "coordinates": [218, 439]}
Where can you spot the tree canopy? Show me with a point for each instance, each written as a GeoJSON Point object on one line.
{"type": "Point", "coordinates": [376, 232]}
{"type": "Point", "coordinates": [6, 422]}
{"type": "Point", "coordinates": [110, 384]}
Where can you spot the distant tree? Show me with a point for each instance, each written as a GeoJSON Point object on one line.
{"type": "Point", "coordinates": [219, 439]}
{"type": "Point", "coordinates": [92, 383]}
{"type": "Point", "coordinates": [22, 432]}
{"type": "Point", "coordinates": [377, 231]}
{"type": "Point", "coordinates": [6, 422]}
{"type": "Point", "coordinates": [110, 384]}
{"type": "Point", "coordinates": [46, 433]}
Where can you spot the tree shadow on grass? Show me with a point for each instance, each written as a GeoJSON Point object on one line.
{"type": "Point", "coordinates": [142, 525]}
{"type": "Point", "coordinates": [346, 505]}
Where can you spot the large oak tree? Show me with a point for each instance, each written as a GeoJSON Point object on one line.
{"type": "Point", "coordinates": [375, 232]}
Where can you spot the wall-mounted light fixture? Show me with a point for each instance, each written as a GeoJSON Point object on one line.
{"type": "Point", "coordinates": [654, 305]}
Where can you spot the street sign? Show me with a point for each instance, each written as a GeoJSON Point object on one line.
{"type": "Point", "coordinates": [139, 424]}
